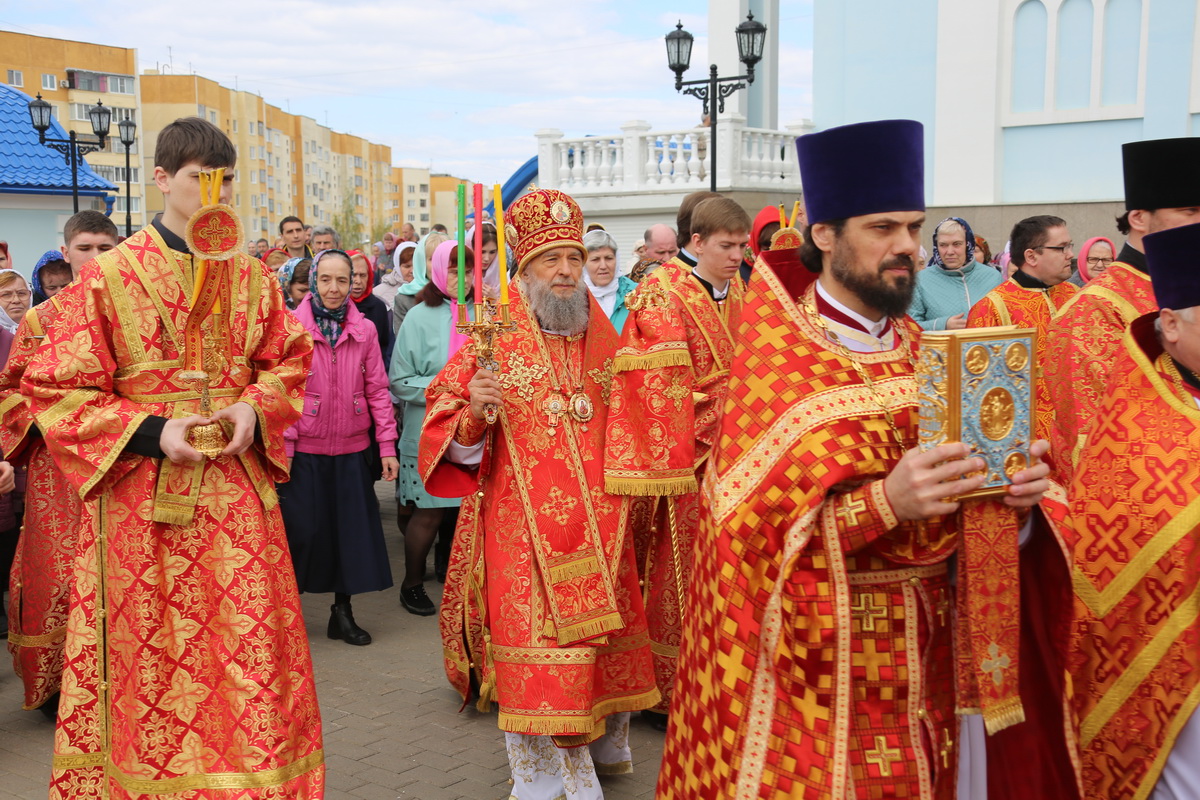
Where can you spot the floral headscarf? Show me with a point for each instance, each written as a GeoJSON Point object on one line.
{"type": "Point", "coordinates": [329, 321]}
{"type": "Point", "coordinates": [286, 272]}
{"type": "Point", "coordinates": [936, 258]}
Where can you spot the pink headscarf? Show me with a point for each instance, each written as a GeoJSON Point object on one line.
{"type": "Point", "coordinates": [439, 273]}
{"type": "Point", "coordinates": [1083, 252]}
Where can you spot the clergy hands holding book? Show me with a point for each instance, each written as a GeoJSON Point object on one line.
{"type": "Point", "coordinates": [923, 485]}
{"type": "Point", "coordinates": [485, 390]}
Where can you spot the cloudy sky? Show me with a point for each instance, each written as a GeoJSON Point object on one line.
{"type": "Point", "coordinates": [457, 85]}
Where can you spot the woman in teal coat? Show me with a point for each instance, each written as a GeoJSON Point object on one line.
{"type": "Point", "coordinates": [426, 340]}
{"type": "Point", "coordinates": [600, 275]}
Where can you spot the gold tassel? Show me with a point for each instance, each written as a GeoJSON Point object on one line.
{"type": "Point", "coordinates": [627, 362]}
{"type": "Point", "coordinates": [487, 688]}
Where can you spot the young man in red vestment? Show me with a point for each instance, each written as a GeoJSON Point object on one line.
{"type": "Point", "coordinates": [187, 672]}
{"type": "Point", "coordinates": [668, 394]}
{"type": "Point", "coordinates": [818, 661]}
{"type": "Point", "coordinates": [1162, 191]}
{"type": "Point", "coordinates": [39, 584]}
{"type": "Point", "coordinates": [1041, 249]}
{"type": "Point", "coordinates": [541, 603]}
{"type": "Point", "coordinates": [1135, 519]}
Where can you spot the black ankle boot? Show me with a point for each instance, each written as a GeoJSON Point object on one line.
{"type": "Point", "coordinates": [342, 625]}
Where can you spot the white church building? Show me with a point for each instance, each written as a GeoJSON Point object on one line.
{"type": "Point", "coordinates": [1026, 103]}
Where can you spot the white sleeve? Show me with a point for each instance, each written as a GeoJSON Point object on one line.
{"type": "Point", "coordinates": [467, 455]}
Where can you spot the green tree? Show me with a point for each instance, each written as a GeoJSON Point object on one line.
{"type": "Point", "coordinates": [346, 223]}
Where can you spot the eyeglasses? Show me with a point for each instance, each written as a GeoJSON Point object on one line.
{"type": "Point", "coordinates": [19, 294]}
{"type": "Point", "coordinates": [1060, 247]}
{"type": "Point", "coordinates": [1095, 261]}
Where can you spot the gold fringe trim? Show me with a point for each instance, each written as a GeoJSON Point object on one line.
{"type": "Point", "coordinates": [1005, 715]}
{"type": "Point", "coordinates": [565, 728]}
{"type": "Point", "coordinates": [651, 487]}
{"type": "Point", "coordinates": [220, 780]}
{"type": "Point", "coordinates": [569, 634]}
{"type": "Point", "coordinates": [671, 358]}
{"type": "Point", "coordinates": [574, 569]}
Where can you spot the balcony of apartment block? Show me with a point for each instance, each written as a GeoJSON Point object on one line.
{"type": "Point", "coordinates": [641, 169]}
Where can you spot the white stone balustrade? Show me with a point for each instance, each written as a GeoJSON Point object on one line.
{"type": "Point", "coordinates": [640, 160]}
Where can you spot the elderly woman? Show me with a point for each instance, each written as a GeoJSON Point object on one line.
{"type": "Point", "coordinates": [329, 506]}
{"type": "Point", "coordinates": [953, 282]}
{"type": "Point", "coordinates": [15, 297]}
{"type": "Point", "coordinates": [427, 340]}
{"type": "Point", "coordinates": [1095, 256]}
{"type": "Point", "coordinates": [600, 275]}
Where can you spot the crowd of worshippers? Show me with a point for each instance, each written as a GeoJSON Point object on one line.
{"type": "Point", "coordinates": [405, 271]}
{"type": "Point", "coordinates": [663, 400]}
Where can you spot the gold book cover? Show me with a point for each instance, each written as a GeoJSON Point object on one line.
{"type": "Point", "coordinates": [976, 387]}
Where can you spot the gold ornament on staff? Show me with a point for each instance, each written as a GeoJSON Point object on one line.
{"type": "Point", "coordinates": [214, 234]}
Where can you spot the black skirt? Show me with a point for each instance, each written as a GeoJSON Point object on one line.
{"type": "Point", "coordinates": [333, 528]}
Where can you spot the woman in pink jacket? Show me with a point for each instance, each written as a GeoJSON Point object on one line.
{"type": "Point", "coordinates": [329, 507]}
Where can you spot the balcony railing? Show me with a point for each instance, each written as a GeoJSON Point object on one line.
{"type": "Point", "coordinates": [641, 160]}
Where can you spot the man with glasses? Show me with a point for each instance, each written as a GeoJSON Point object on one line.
{"type": "Point", "coordinates": [1162, 191]}
{"type": "Point", "coordinates": [1041, 250]}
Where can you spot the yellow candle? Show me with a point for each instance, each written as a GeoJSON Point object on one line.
{"type": "Point", "coordinates": [217, 182]}
{"type": "Point", "coordinates": [795, 213]}
{"type": "Point", "coordinates": [782, 217]}
{"type": "Point", "coordinates": [501, 252]}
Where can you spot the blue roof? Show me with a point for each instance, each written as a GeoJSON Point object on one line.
{"type": "Point", "coordinates": [29, 167]}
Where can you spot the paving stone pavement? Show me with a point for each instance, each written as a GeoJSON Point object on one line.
{"type": "Point", "coordinates": [392, 723]}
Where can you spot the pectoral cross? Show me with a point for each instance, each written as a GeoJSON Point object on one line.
{"type": "Point", "coordinates": [996, 663]}
{"type": "Point", "coordinates": [947, 748]}
{"type": "Point", "coordinates": [555, 406]}
{"type": "Point", "coordinates": [866, 608]}
{"type": "Point", "coordinates": [882, 756]}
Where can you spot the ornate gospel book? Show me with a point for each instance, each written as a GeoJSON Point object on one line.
{"type": "Point", "coordinates": [976, 387]}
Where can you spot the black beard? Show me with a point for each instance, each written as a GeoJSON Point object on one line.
{"type": "Point", "coordinates": [872, 288]}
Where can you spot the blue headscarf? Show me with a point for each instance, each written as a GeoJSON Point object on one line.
{"type": "Point", "coordinates": [329, 321]}
{"type": "Point", "coordinates": [936, 258]}
{"type": "Point", "coordinates": [39, 294]}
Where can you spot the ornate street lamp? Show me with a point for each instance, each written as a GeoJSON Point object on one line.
{"type": "Point", "coordinates": [73, 148]}
{"type": "Point", "coordinates": [128, 132]}
{"type": "Point", "coordinates": [751, 37]}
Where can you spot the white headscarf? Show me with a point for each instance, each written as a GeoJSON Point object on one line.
{"type": "Point", "coordinates": [6, 322]}
{"type": "Point", "coordinates": [390, 283]}
{"type": "Point", "coordinates": [606, 296]}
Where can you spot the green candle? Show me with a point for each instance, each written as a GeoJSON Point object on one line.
{"type": "Point", "coordinates": [462, 244]}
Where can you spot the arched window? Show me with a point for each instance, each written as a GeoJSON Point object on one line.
{"type": "Point", "coordinates": [1029, 57]}
{"type": "Point", "coordinates": [1073, 67]}
{"type": "Point", "coordinates": [1122, 50]}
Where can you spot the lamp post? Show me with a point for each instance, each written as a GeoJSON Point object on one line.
{"type": "Point", "coordinates": [128, 132]}
{"type": "Point", "coordinates": [73, 148]}
{"type": "Point", "coordinates": [751, 36]}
